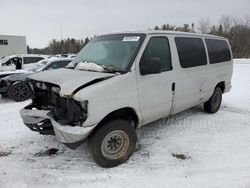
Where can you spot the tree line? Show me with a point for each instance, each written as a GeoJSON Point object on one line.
{"type": "Point", "coordinates": [236, 30]}
{"type": "Point", "coordinates": [64, 46]}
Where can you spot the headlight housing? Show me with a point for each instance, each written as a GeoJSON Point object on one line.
{"type": "Point", "coordinates": [84, 105]}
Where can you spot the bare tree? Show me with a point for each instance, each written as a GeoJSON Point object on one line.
{"type": "Point", "coordinates": [204, 25]}
{"type": "Point", "coordinates": [247, 20]}
{"type": "Point", "coordinates": [226, 22]}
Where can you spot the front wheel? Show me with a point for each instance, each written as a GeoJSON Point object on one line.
{"type": "Point", "coordinates": [214, 103]}
{"type": "Point", "coordinates": [19, 91]}
{"type": "Point", "coordinates": [113, 143]}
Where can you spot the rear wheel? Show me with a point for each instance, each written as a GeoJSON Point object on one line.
{"type": "Point", "coordinates": [113, 143]}
{"type": "Point", "coordinates": [19, 91]}
{"type": "Point", "coordinates": [214, 103]}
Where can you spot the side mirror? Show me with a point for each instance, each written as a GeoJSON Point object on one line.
{"type": "Point", "coordinates": [150, 66]}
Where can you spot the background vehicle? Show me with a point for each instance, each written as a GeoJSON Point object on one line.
{"type": "Point", "coordinates": [10, 44]}
{"type": "Point", "coordinates": [66, 55]}
{"type": "Point", "coordinates": [19, 61]}
{"type": "Point", "coordinates": [119, 82]}
{"type": "Point", "coordinates": [15, 87]}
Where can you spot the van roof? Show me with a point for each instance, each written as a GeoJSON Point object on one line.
{"type": "Point", "coordinates": [153, 32]}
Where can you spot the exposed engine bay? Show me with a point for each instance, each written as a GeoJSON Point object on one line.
{"type": "Point", "coordinates": [65, 110]}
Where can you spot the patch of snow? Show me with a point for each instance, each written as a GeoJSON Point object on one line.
{"type": "Point", "coordinates": [242, 61]}
{"type": "Point", "coordinates": [89, 66]}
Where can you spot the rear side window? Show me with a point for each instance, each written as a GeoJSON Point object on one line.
{"type": "Point", "coordinates": [28, 60]}
{"type": "Point", "coordinates": [63, 64]}
{"type": "Point", "coordinates": [191, 51]}
{"type": "Point", "coordinates": [218, 51]}
{"type": "Point", "coordinates": [57, 65]}
{"type": "Point", "coordinates": [158, 47]}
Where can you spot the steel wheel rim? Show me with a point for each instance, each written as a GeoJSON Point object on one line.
{"type": "Point", "coordinates": [115, 144]}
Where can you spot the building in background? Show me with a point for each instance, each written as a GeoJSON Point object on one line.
{"type": "Point", "coordinates": [10, 45]}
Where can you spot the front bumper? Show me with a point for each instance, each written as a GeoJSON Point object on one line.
{"type": "Point", "coordinates": [34, 119]}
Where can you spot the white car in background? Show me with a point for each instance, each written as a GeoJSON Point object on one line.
{"type": "Point", "coordinates": [19, 61]}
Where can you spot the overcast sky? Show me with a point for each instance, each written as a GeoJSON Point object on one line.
{"type": "Point", "coordinates": [40, 20]}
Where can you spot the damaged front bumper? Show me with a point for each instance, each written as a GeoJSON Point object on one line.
{"type": "Point", "coordinates": [41, 121]}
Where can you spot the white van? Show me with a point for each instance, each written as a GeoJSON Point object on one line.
{"type": "Point", "coordinates": [119, 82]}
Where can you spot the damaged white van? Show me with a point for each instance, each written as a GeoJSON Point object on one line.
{"type": "Point", "coordinates": [122, 81]}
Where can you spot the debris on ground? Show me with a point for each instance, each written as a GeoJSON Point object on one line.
{"type": "Point", "coordinates": [4, 153]}
{"type": "Point", "coordinates": [48, 152]}
{"type": "Point", "coordinates": [180, 156]}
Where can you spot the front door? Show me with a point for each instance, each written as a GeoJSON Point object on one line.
{"type": "Point", "coordinates": [155, 90]}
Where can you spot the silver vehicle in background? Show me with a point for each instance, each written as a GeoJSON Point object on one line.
{"type": "Point", "coordinates": [15, 86]}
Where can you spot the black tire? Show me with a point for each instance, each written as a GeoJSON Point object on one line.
{"type": "Point", "coordinates": [214, 103]}
{"type": "Point", "coordinates": [117, 134]}
{"type": "Point", "coordinates": [19, 91]}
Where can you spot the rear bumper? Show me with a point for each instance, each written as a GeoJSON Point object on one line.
{"type": "Point", "coordinates": [36, 119]}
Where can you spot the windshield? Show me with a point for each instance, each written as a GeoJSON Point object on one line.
{"type": "Point", "coordinates": [112, 52]}
{"type": "Point", "coordinates": [37, 67]}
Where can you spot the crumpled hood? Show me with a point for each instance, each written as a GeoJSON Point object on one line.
{"type": "Point", "coordinates": [69, 79]}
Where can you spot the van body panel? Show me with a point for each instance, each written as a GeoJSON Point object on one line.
{"type": "Point", "coordinates": [110, 95]}
{"type": "Point", "coordinates": [154, 90]}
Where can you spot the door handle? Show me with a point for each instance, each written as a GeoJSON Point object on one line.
{"type": "Point", "coordinates": [173, 86]}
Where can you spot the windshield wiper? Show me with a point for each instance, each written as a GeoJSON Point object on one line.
{"type": "Point", "coordinates": [111, 69]}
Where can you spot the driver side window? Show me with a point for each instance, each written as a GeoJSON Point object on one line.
{"type": "Point", "coordinates": [158, 48]}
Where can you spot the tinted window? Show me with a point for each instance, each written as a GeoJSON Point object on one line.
{"type": "Point", "coordinates": [57, 65]}
{"type": "Point", "coordinates": [39, 59]}
{"type": "Point", "coordinates": [158, 47]}
{"type": "Point", "coordinates": [191, 51]}
{"type": "Point", "coordinates": [28, 60]}
{"type": "Point", "coordinates": [218, 51]}
{"type": "Point", "coordinates": [63, 64]}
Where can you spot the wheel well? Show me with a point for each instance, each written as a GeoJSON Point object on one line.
{"type": "Point", "coordinates": [221, 85]}
{"type": "Point", "coordinates": [124, 113]}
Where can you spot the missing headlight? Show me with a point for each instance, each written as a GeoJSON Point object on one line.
{"type": "Point", "coordinates": [68, 111]}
